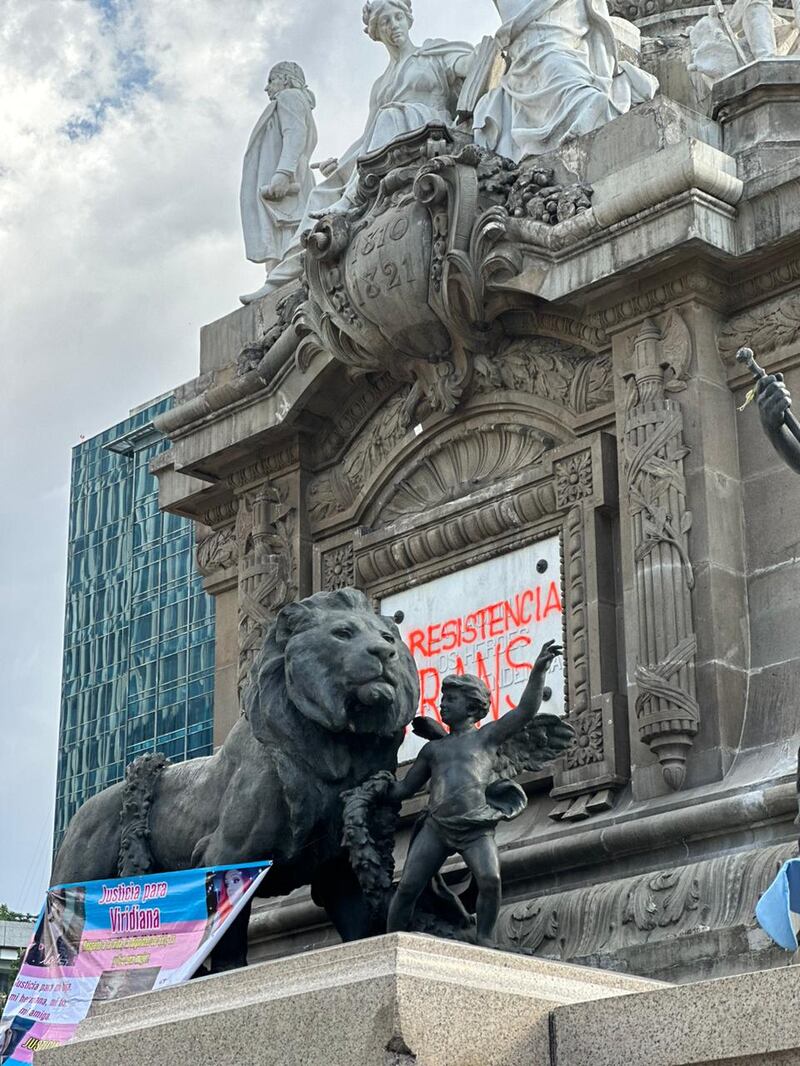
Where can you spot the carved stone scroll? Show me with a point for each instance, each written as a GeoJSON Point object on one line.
{"type": "Point", "coordinates": [401, 283]}
{"type": "Point", "coordinates": [666, 706]}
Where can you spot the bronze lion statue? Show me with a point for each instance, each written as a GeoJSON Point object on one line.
{"type": "Point", "coordinates": [324, 709]}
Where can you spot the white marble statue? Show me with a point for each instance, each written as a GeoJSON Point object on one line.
{"type": "Point", "coordinates": [276, 177]}
{"type": "Point", "coordinates": [728, 38]}
{"type": "Point", "coordinates": [563, 77]}
{"type": "Point", "coordinates": [420, 85]}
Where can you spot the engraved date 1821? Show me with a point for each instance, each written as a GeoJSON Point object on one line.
{"type": "Point", "coordinates": [371, 279]}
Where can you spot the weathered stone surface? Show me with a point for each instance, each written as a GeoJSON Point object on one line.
{"type": "Point", "coordinates": [749, 1020]}
{"type": "Point", "coordinates": [430, 1001]}
{"type": "Point", "coordinates": [757, 108]}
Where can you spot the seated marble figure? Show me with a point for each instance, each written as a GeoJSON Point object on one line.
{"type": "Point", "coordinates": [420, 85]}
{"type": "Point", "coordinates": [563, 78]}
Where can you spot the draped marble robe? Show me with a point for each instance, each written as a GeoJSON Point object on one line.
{"type": "Point", "coordinates": [563, 77]}
{"type": "Point", "coordinates": [283, 140]}
{"type": "Point", "coordinates": [421, 87]}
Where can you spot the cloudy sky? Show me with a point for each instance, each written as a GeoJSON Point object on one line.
{"type": "Point", "coordinates": [122, 128]}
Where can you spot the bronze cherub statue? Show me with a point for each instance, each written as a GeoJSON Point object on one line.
{"type": "Point", "coordinates": [470, 771]}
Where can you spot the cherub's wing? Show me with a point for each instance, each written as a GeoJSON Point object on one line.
{"type": "Point", "coordinates": [544, 738]}
{"type": "Point", "coordinates": [428, 728]}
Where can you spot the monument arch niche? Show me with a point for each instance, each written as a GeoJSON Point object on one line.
{"type": "Point", "coordinates": [522, 461]}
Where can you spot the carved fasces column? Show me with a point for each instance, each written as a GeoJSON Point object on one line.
{"type": "Point", "coordinates": [268, 567]}
{"type": "Point", "coordinates": [667, 711]}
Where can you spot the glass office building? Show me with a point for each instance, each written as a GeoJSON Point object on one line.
{"type": "Point", "coordinates": [139, 631]}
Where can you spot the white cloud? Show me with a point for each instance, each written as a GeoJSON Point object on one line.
{"type": "Point", "coordinates": [122, 128]}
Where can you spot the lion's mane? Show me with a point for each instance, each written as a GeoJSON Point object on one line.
{"type": "Point", "coordinates": [318, 739]}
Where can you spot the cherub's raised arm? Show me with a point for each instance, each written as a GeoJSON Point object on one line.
{"type": "Point", "coordinates": [414, 779]}
{"type": "Point", "coordinates": [531, 701]}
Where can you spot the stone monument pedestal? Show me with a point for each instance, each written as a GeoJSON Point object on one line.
{"type": "Point", "coordinates": [391, 1001]}
{"type": "Point", "coordinates": [411, 1000]}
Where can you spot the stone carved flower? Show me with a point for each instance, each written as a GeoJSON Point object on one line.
{"type": "Point", "coordinates": [574, 478]}
{"type": "Point", "coordinates": [338, 568]}
{"type": "Point", "coordinates": [588, 746]}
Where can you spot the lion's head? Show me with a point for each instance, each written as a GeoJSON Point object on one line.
{"type": "Point", "coordinates": [343, 666]}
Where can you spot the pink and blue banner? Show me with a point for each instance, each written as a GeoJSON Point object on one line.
{"type": "Point", "coordinates": [104, 940]}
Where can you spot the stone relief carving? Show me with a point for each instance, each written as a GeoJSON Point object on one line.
{"type": "Point", "coordinates": [726, 39]}
{"type": "Point", "coordinates": [249, 477]}
{"type": "Point", "coordinates": [766, 328]}
{"type": "Point", "coordinates": [557, 85]}
{"type": "Point", "coordinates": [400, 283]}
{"type": "Point", "coordinates": [336, 490]}
{"type": "Point", "coordinates": [541, 367]}
{"type": "Point", "coordinates": [396, 555]}
{"type": "Point", "coordinates": [574, 478]}
{"type": "Point", "coordinates": [338, 568]}
{"type": "Point", "coordinates": [654, 300]}
{"type": "Point", "coordinates": [550, 369]}
{"type": "Point", "coordinates": [216, 550]}
{"type": "Point", "coordinates": [575, 618]}
{"type": "Point", "coordinates": [663, 900]}
{"type": "Point", "coordinates": [720, 893]}
{"type": "Point", "coordinates": [654, 450]}
{"type": "Point", "coordinates": [536, 194]}
{"type": "Point", "coordinates": [447, 470]}
{"type": "Point", "coordinates": [251, 355]}
{"type": "Point", "coordinates": [267, 568]}
{"type": "Point", "coordinates": [633, 10]}
{"type": "Point", "coordinates": [588, 747]}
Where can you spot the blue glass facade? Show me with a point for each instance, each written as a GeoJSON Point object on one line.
{"type": "Point", "coordinates": [139, 630]}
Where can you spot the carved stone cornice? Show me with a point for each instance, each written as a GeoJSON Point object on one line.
{"type": "Point", "coordinates": [537, 322]}
{"type": "Point", "coordinates": [264, 468]}
{"type": "Point", "coordinates": [634, 10]}
{"type": "Point", "coordinates": [220, 515]}
{"type": "Point", "coordinates": [695, 285]}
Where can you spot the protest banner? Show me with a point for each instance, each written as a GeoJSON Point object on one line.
{"type": "Point", "coordinates": [103, 940]}
{"type": "Point", "coordinates": [490, 620]}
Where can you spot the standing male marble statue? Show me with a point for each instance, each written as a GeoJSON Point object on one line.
{"type": "Point", "coordinates": [563, 77]}
{"type": "Point", "coordinates": [276, 176]}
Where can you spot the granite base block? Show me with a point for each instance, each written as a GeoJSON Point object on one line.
{"type": "Point", "coordinates": [749, 1020]}
{"type": "Point", "coordinates": [391, 1001]}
